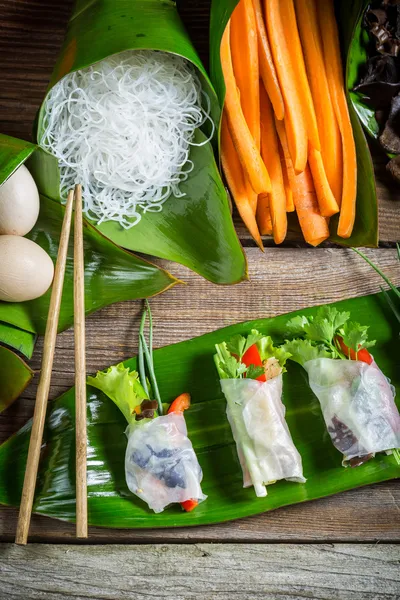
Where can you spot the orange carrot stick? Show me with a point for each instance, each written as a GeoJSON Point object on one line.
{"type": "Point", "coordinates": [295, 121]}
{"type": "Point", "coordinates": [270, 154]}
{"type": "Point", "coordinates": [288, 189]}
{"type": "Point", "coordinates": [288, 15]}
{"type": "Point", "coordinates": [264, 214]}
{"type": "Point", "coordinates": [328, 128]}
{"type": "Point", "coordinates": [313, 225]}
{"type": "Point", "coordinates": [280, 128]}
{"type": "Point", "coordinates": [235, 178]}
{"type": "Point", "coordinates": [267, 68]}
{"type": "Point", "coordinates": [326, 200]}
{"type": "Point", "coordinates": [333, 65]}
{"type": "Point", "coordinates": [245, 68]}
{"type": "Point", "coordinates": [246, 148]}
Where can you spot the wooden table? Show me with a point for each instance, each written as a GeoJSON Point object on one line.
{"type": "Point", "coordinates": [322, 549]}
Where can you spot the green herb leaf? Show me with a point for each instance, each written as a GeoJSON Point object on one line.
{"type": "Point", "coordinates": [236, 345]}
{"type": "Point", "coordinates": [227, 365]}
{"type": "Point", "coordinates": [355, 336]}
{"type": "Point", "coordinates": [323, 327]}
{"type": "Point", "coordinates": [253, 372]}
{"type": "Point", "coordinates": [296, 325]}
{"type": "Point", "coordinates": [302, 351]}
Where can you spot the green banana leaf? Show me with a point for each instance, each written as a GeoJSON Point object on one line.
{"type": "Point", "coordinates": [13, 152]}
{"type": "Point", "coordinates": [358, 41]}
{"type": "Point", "coordinates": [15, 375]}
{"type": "Point", "coordinates": [196, 230]}
{"type": "Point", "coordinates": [16, 338]}
{"type": "Point", "coordinates": [365, 232]}
{"type": "Point", "coordinates": [189, 366]}
{"type": "Point", "coordinates": [111, 274]}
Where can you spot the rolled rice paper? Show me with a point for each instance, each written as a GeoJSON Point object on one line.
{"type": "Point", "coordinates": [161, 466]}
{"type": "Point", "coordinates": [265, 447]}
{"type": "Point", "coordinates": [357, 403]}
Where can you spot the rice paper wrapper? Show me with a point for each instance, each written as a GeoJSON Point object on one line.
{"type": "Point", "coordinates": [161, 466]}
{"type": "Point", "coordinates": [265, 447]}
{"type": "Point", "coordinates": [357, 403]}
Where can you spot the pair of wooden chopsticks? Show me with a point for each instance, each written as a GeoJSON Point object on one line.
{"type": "Point", "coordinates": [39, 415]}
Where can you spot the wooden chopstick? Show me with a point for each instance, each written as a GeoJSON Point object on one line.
{"type": "Point", "coordinates": [42, 394]}
{"type": "Point", "coordinates": [80, 370]}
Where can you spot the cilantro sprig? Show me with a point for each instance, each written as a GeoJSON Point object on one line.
{"type": "Point", "coordinates": [317, 336]}
{"type": "Point", "coordinates": [228, 358]}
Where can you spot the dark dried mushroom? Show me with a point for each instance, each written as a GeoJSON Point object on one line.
{"type": "Point", "coordinates": [390, 136]}
{"type": "Point", "coordinates": [147, 410]}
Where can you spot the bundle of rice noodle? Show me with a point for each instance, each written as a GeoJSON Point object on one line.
{"type": "Point", "coordinates": [123, 129]}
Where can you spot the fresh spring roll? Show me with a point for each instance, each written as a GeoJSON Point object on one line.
{"type": "Point", "coordinates": [251, 380]}
{"type": "Point", "coordinates": [357, 400]}
{"type": "Point", "coordinates": [161, 466]}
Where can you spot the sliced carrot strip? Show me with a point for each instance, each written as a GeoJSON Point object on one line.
{"type": "Point", "coordinates": [295, 121]}
{"type": "Point", "coordinates": [288, 15]}
{"type": "Point", "coordinates": [326, 200]}
{"type": "Point", "coordinates": [333, 66]}
{"type": "Point", "coordinates": [280, 128]}
{"type": "Point", "coordinates": [264, 215]}
{"type": "Point", "coordinates": [245, 68]}
{"type": "Point", "coordinates": [313, 225]}
{"type": "Point", "coordinates": [267, 68]}
{"type": "Point", "coordinates": [328, 128]}
{"type": "Point", "coordinates": [270, 154]}
{"type": "Point", "coordinates": [288, 189]}
{"type": "Point", "coordinates": [246, 148]}
{"type": "Point", "coordinates": [235, 178]}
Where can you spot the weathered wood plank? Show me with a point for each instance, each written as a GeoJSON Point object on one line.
{"type": "Point", "coordinates": [183, 572]}
{"type": "Point", "coordinates": [370, 514]}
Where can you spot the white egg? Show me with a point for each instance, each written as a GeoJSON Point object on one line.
{"type": "Point", "coordinates": [26, 270]}
{"type": "Point", "coordinates": [19, 203]}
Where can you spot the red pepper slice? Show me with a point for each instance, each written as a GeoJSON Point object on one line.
{"type": "Point", "coordinates": [252, 357]}
{"type": "Point", "coordinates": [363, 355]}
{"type": "Point", "coordinates": [189, 505]}
{"type": "Point", "coordinates": [180, 403]}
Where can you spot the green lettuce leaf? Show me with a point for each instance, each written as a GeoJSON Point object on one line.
{"type": "Point", "coordinates": [122, 386]}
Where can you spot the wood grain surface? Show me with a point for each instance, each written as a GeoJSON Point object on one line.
{"type": "Point", "coordinates": [205, 571]}
{"type": "Point", "coordinates": [281, 280]}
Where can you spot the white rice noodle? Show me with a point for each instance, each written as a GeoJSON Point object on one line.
{"type": "Point", "coordinates": [123, 128]}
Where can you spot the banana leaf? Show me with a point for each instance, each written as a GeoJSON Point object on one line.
{"type": "Point", "coordinates": [15, 375]}
{"type": "Point", "coordinates": [111, 274]}
{"type": "Point", "coordinates": [365, 232]}
{"type": "Point", "coordinates": [16, 338]}
{"type": "Point", "coordinates": [189, 366]}
{"type": "Point", "coordinates": [196, 230]}
{"type": "Point", "coordinates": [358, 40]}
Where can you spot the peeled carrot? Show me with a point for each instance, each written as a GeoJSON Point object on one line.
{"type": "Point", "coordinates": [281, 130]}
{"type": "Point", "coordinates": [333, 66]}
{"type": "Point", "coordinates": [326, 200]}
{"type": "Point", "coordinates": [288, 189]}
{"type": "Point", "coordinates": [267, 68]}
{"type": "Point", "coordinates": [295, 121]}
{"type": "Point", "coordinates": [246, 148]}
{"type": "Point", "coordinates": [329, 133]}
{"type": "Point", "coordinates": [245, 68]}
{"type": "Point", "coordinates": [264, 215]}
{"type": "Point", "coordinates": [313, 225]}
{"type": "Point", "coordinates": [235, 178]}
{"type": "Point", "coordinates": [288, 15]}
{"type": "Point", "coordinates": [270, 154]}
